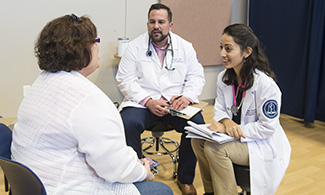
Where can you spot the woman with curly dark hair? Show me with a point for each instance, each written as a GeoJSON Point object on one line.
{"type": "Point", "coordinates": [65, 44]}
{"type": "Point", "coordinates": [68, 131]}
{"type": "Point", "coordinates": [247, 107]}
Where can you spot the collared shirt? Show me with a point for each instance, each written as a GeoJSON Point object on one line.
{"type": "Point", "coordinates": [161, 51]}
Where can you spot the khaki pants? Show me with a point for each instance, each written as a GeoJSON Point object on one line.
{"type": "Point", "coordinates": [215, 162]}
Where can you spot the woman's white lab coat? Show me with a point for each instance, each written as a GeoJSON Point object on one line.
{"type": "Point", "coordinates": [141, 75]}
{"type": "Point", "coordinates": [269, 148]}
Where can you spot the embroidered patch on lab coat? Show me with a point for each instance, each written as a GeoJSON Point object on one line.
{"type": "Point", "coordinates": [270, 109]}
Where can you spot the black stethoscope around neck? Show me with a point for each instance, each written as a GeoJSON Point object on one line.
{"type": "Point", "coordinates": [169, 55]}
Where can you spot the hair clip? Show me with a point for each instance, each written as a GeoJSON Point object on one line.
{"type": "Point", "coordinates": [75, 19]}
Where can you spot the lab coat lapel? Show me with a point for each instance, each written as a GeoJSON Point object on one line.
{"type": "Point", "coordinates": [229, 100]}
{"type": "Point", "coordinates": [248, 100]}
{"type": "Point", "coordinates": [154, 57]}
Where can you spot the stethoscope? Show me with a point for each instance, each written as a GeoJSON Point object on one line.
{"type": "Point", "coordinates": [169, 55]}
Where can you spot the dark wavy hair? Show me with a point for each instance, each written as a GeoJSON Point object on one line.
{"type": "Point", "coordinates": [161, 6]}
{"type": "Point", "coordinates": [65, 43]}
{"type": "Point", "coordinates": [244, 36]}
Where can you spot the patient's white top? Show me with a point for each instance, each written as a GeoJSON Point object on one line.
{"type": "Point", "coordinates": [71, 135]}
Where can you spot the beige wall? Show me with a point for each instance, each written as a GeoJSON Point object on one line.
{"type": "Point", "coordinates": [21, 22]}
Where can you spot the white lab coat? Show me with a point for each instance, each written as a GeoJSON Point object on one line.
{"type": "Point", "coordinates": [269, 148]}
{"type": "Point", "coordinates": [140, 76]}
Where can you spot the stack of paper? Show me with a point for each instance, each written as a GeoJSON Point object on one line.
{"type": "Point", "coordinates": [202, 132]}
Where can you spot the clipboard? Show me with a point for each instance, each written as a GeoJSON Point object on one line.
{"type": "Point", "coordinates": [189, 111]}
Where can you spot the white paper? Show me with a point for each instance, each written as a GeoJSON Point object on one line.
{"type": "Point", "coordinates": [190, 110]}
{"type": "Point", "coordinates": [202, 132]}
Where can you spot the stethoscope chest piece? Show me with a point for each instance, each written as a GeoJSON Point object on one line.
{"type": "Point", "coordinates": [149, 53]}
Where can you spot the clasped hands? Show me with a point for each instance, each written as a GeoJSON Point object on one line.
{"type": "Point", "coordinates": [227, 126]}
{"type": "Point", "coordinates": [159, 107]}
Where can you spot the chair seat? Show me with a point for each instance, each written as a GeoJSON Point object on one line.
{"type": "Point", "coordinates": [22, 180]}
{"type": "Point", "coordinates": [5, 145]}
{"type": "Point", "coordinates": [160, 126]}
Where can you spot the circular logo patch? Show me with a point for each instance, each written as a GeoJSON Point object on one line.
{"type": "Point", "coordinates": [270, 109]}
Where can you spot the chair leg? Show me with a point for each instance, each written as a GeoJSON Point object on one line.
{"type": "Point", "coordinates": [162, 143]}
{"type": "Point", "coordinates": [152, 143]}
{"type": "Point", "coordinates": [6, 184]}
{"type": "Point", "coordinates": [157, 145]}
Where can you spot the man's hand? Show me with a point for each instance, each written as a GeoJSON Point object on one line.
{"type": "Point", "coordinates": [179, 102]}
{"type": "Point", "coordinates": [157, 107]}
{"type": "Point", "coordinates": [232, 128]}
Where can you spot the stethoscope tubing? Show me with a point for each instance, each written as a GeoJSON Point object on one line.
{"type": "Point", "coordinates": [149, 54]}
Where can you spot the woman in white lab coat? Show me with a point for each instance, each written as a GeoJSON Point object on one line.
{"type": "Point", "coordinates": [247, 107]}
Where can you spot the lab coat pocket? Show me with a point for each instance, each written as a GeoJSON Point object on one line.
{"type": "Point", "coordinates": [147, 71]}
{"type": "Point", "coordinates": [268, 150]}
{"type": "Point", "coordinates": [177, 74]}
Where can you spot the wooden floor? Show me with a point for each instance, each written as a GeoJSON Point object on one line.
{"type": "Point", "coordinates": [306, 172]}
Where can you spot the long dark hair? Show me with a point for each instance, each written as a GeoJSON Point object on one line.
{"type": "Point", "coordinates": [244, 36]}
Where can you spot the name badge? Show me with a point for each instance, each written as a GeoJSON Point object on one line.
{"type": "Point", "coordinates": [178, 60]}
{"type": "Point", "coordinates": [250, 112]}
{"type": "Point", "coordinates": [146, 61]}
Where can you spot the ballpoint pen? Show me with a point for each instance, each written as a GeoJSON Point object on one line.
{"type": "Point", "coordinates": [178, 97]}
{"type": "Point", "coordinates": [175, 99]}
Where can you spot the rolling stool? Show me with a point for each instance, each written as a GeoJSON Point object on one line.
{"type": "Point", "coordinates": [242, 178]}
{"type": "Point", "coordinates": [168, 145]}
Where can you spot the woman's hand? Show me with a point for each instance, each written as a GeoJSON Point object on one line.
{"type": "Point", "coordinates": [232, 128]}
{"type": "Point", "coordinates": [150, 175]}
{"type": "Point", "coordinates": [217, 127]}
